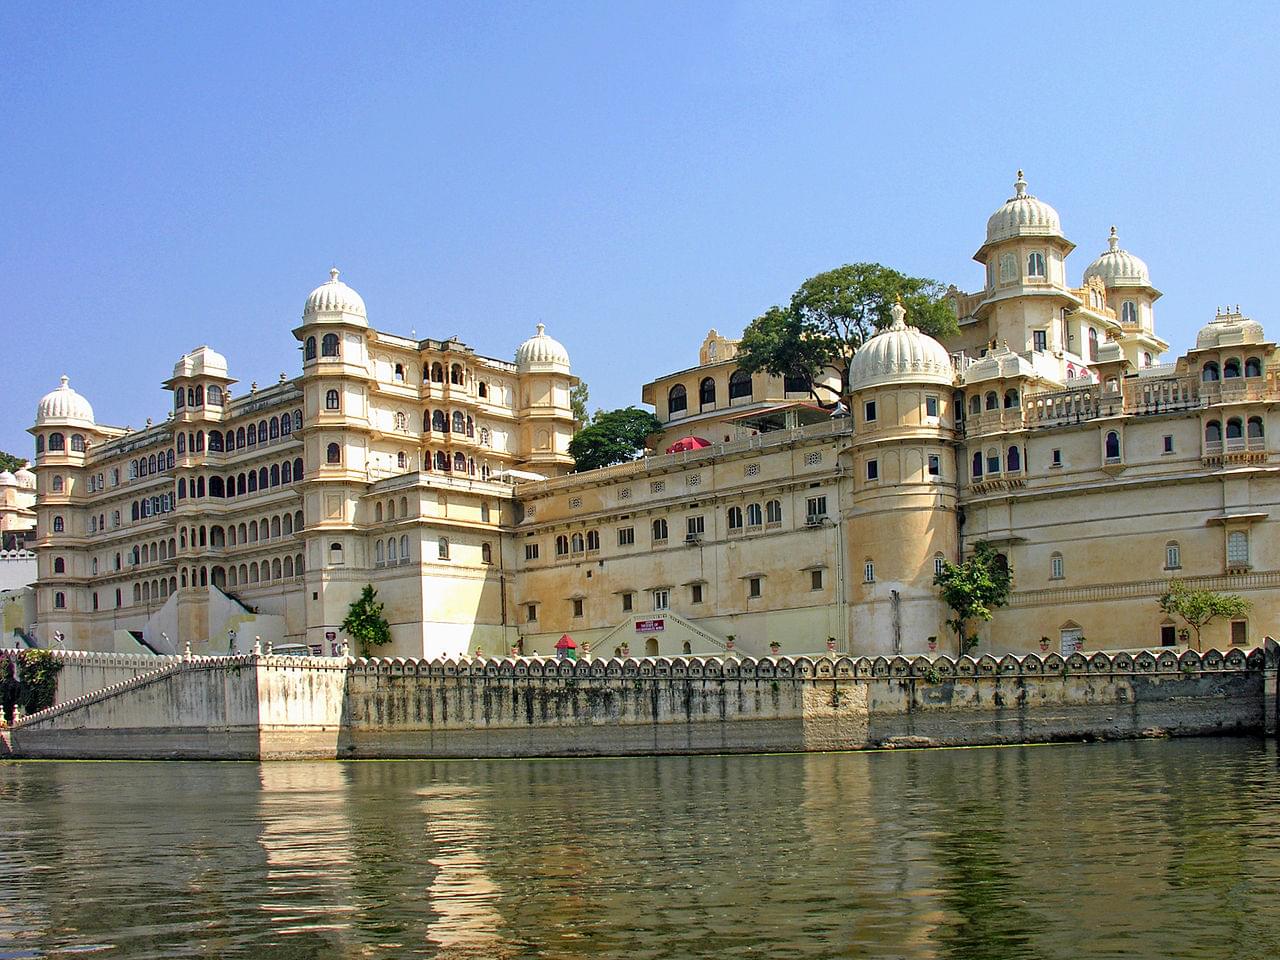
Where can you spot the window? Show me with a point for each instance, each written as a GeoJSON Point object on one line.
{"type": "Point", "coordinates": [57, 441]}
{"type": "Point", "coordinates": [1146, 358]}
{"type": "Point", "coordinates": [815, 579]}
{"type": "Point", "coordinates": [442, 548]}
{"type": "Point", "coordinates": [60, 600]}
{"type": "Point", "coordinates": [739, 385]}
{"type": "Point", "coordinates": [309, 354]}
{"type": "Point", "coordinates": [939, 564]}
{"type": "Point", "coordinates": [753, 587]}
{"type": "Point", "coordinates": [869, 411]}
{"type": "Point", "coordinates": [1013, 460]}
{"type": "Point", "coordinates": [1040, 340]}
{"type": "Point", "coordinates": [1128, 312]}
{"type": "Point", "coordinates": [1237, 548]}
{"type": "Point", "coordinates": [1093, 344]}
{"type": "Point", "coordinates": [593, 540]}
{"type": "Point", "coordinates": [1210, 372]}
{"type": "Point", "coordinates": [1112, 447]}
{"type": "Point", "coordinates": [531, 613]}
{"type": "Point", "coordinates": [868, 572]}
{"type": "Point", "coordinates": [577, 607]}
{"type": "Point", "coordinates": [694, 527]}
{"type": "Point", "coordinates": [1230, 370]}
{"type": "Point", "coordinates": [975, 405]}
{"type": "Point", "coordinates": [333, 454]}
{"type": "Point", "coordinates": [1167, 443]}
{"type": "Point", "coordinates": [1055, 567]}
{"type": "Point", "coordinates": [399, 372]}
{"type": "Point", "coordinates": [329, 345]}
{"type": "Point", "coordinates": [57, 483]}
{"type": "Point", "coordinates": [1168, 635]}
{"type": "Point", "coordinates": [627, 602]}
{"type": "Point", "coordinates": [661, 599]}
{"type": "Point", "coordinates": [873, 470]}
{"type": "Point", "coordinates": [59, 565]}
{"type": "Point", "coordinates": [735, 518]}
{"type": "Point", "coordinates": [935, 465]}
{"type": "Point", "coordinates": [1239, 632]}
{"type": "Point", "coordinates": [1011, 400]}
{"type": "Point", "coordinates": [930, 406]}
{"type": "Point", "coordinates": [335, 554]}
{"type": "Point", "coordinates": [795, 383]}
{"type": "Point", "coordinates": [1008, 268]}
{"type": "Point", "coordinates": [707, 392]}
{"type": "Point", "coordinates": [815, 508]}
{"type": "Point", "coordinates": [754, 516]}
{"type": "Point", "coordinates": [1255, 429]}
{"type": "Point", "coordinates": [993, 461]}
{"type": "Point", "coordinates": [562, 546]}
{"type": "Point", "coordinates": [58, 525]}
{"type": "Point", "coordinates": [992, 400]}
{"type": "Point", "coordinates": [531, 551]}
{"type": "Point", "coordinates": [1172, 556]}
{"type": "Point", "coordinates": [626, 536]}
{"type": "Point", "coordinates": [1253, 367]}
{"type": "Point", "coordinates": [577, 544]}
{"type": "Point", "coordinates": [485, 513]}
{"type": "Point", "coordinates": [695, 593]}
{"type": "Point", "coordinates": [331, 400]}
{"type": "Point", "coordinates": [1035, 264]}
{"type": "Point", "coordinates": [77, 443]}
{"type": "Point", "coordinates": [773, 512]}
{"type": "Point", "coordinates": [486, 552]}
{"type": "Point", "coordinates": [1213, 432]}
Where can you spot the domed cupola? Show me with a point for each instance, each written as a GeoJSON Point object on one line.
{"type": "Point", "coordinates": [1228, 329]}
{"type": "Point", "coordinates": [334, 299]}
{"type": "Point", "coordinates": [201, 362]}
{"type": "Point", "coordinates": [26, 479]}
{"type": "Point", "coordinates": [7, 479]}
{"type": "Point", "coordinates": [64, 406]}
{"type": "Point", "coordinates": [542, 354]}
{"type": "Point", "coordinates": [1118, 268]}
{"type": "Point", "coordinates": [900, 354]}
{"type": "Point", "coordinates": [1022, 215]}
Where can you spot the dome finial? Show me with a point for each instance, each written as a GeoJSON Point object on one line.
{"type": "Point", "coordinates": [333, 273]}
{"type": "Point", "coordinates": [899, 314]}
{"type": "Point", "coordinates": [1020, 185]}
{"type": "Point", "coordinates": [1113, 241]}
{"type": "Point", "coordinates": [65, 381]}
{"type": "Point", "coordinates": [542, 329]}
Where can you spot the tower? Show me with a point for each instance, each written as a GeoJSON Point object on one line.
{"type": "Point", "coordinates": [544, 408]}
{"type": "Point", "coordinates": [1130, 294]}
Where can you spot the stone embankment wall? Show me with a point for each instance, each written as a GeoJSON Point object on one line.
{"type": "Point", "coordinates": [85, 672]}
{"type": "Point", "coordinates": [296, 707]}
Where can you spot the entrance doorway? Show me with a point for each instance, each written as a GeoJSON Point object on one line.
{"type": "Point", "coordinates": [1072, 640]}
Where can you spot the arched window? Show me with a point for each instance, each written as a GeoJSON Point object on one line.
{"type": "Point", "coordinates": [399, 372]}
{"type": "Point", "coordinates": [977, 464]}
{"type": "Point", "coordinates": [214, 396]}
{"type": "Point", "coordinates": [191, 397]}
{"type": "Point", "coordinates": [239, 438]}
{"type": "Point", "coordinates": [1112, 445]}
{"type": "Point", "coordinates": [297, 420]}
{"type": "Point", "coordinates": [562, 546]}
{"type": "Point", "coordinates": [735, 518]}
{"type": "Point", "coordinates": [593, 539]}
{"type": "Point", "coordinates": [391, 550]}
{"type": "Point", "coordinates": [939, 564]}
{"type": "Point", "coordinates": [333, 453]}
{"type": "Point", "coordinates": [310, 352]}
{"type": "Point", "coordinates": [200, 395]}
{"type": "Point", "coordinates": [484, 436]}
{"type": "Point", "coordinates": [993, 461]}
{"type": "Point", "coordinates": [975, 405]}
{"type": "Point", "coordinates": [335, 553]}
{"type": "Point", "coordinates": [739, 385]}
{"type": "Point", "coordinates": [441, 460]}
{"type": "Point", "coordinates": [1210, 372]}
{"type": "Point", "coordinates": [439, 423]}
{"type": "Point", "coordinates": [275, 475]}
{"type": "Point", "coordinates": [40, 443]}
{"type": "Point", "coordinates": [1172, 555]}
{"type": "Point", "coordinates": [577, 544]}
{"type": "Point", "coordinates": [253, 481]}
{"type": "Point", "coordinates": [179, 398]}
{"type": "Point", "coordinates": [273, 428]}
{"type": "Point", "coordinates": [1008, 268]}
{"type": "Point", "coordinates": [58, 525]}
{"type": "Point", "coordinates": [1146, 358]}
{"type": "Point", "coordinates": [57, 483]}
{"type": "Point", "coordinates": [442, 548]}
{"type": "Point", "coordinates": [286, 424]}
{"type": "Point", "coordinates": [400, 460]}
{"type": "Point", "coordinates": [707, 391]}
{"type": "Point", "coordinates": [252, 435]}
{"type": "Point", "coordinates": [660, 529]}
{"type": "Point", "coordinates": [215, 441]}
{"type": "Point", "coordinates": [459, 422]}
{"type": "Point", "coordinates": [1253, 367]}
{"type": "Point", "coordinates": [677, 399]}
{"type": "Point", "coordinates": [992, 401]}
{"type": "Point", "coordinates": [1013, 460]}
{"type": "Point", "coordinates": [331, 400]}
{"type": "Point", "coordinates": [437, 373]}
{"type": "Point", "coordinates": [263, 479]}
{"type": "Point", "coordinates": [755, 516]}
{"type": "Point", "coordinates": [59, 565]}
{"type": "Point", "coordinates": [199, 441]}
{"type": "Point", "coordinates": [77, 443]}
{"type": "Point", "coordinates": [471, 427]}
{"type": "Point", "coordinates": [455, 374]}
{"type": "Point", "coordinates": [1055, 566]}
{"type": "Point", "coordinates": [57, 441]}
{"type": "Point", "coordinates": [1231, 369]}
{"type": "Point", "coordinates": [773, 511]}
{"type": "Point", "coordinates": [482, 389]}
{"type": "Point", "coordinates": [1255, 428]}
{"type": "Point", "coordinates": [1011, 399]}
{"type": "Point", "coordinates": [1035, 264]}
{"type": "Point", "coordinates": [459, 463]}
{"type": "Point", "coordinates": [1093, 344]}
{"type": "Point", "coordinates": [1235, 428]}
{"type": "Point", "coordinates": [1129, 312]}
{"type": "Point", "coordinates": [329, 345]}
{"type": "Point", "coordinates": [262, 431]}
{"type": "Point", "coordinates": [486, 552]}
{"type": "Point", "coordinates": [1213, 432]}
{"type": "Point", "coordinates": [286, 472]}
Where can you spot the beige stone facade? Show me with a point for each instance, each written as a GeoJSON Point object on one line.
{"type": "Point", "coordinates": [1050, 426]}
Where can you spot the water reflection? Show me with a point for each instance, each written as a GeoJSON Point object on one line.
{"type": "Point", "coordinates": [1139, 850]}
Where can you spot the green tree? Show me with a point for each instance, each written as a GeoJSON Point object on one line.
{"type": "Point", "coordinates": [831, 316]}
{"type": "Point", "coordinates": [615, 436]}
{"type": "Point", "coordinates": [365, 622]}
{"type": "Point", "coordinates": [1199, 607]}
{"type": "Point", "coordinates": [974, 589]}
{"type": "Point", "coordinates": [578, 397]}
{"type": "Point", "coordinates": [11, 463]}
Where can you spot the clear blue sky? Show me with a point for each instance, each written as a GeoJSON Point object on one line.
{"type": "Point", "coordinates": [629, 174]}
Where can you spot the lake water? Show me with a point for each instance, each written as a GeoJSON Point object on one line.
{"type": "Point", "coordinates": [1146, 849]}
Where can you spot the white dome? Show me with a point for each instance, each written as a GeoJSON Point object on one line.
{"type": "Point", "coordinates": [1229, 329]}
{"type": "Point", "coordinates": [201, 362]}
{"type": "Point", "coordinates": [334, 296]}
{"type": "Point", "coordinates": [64, 404]}
{"type": "Point", "coordinates": [1023, 216]}
{"type": "Point", "coordinates": [1119, 268]}
{"type": "Point", "coordinates": [26, 479]}
{"type": "Point", "coordinates": [541, 353]}
{"type": "Point", "coordinates": [7, 479]}
{"type": "Point", "coordinates": [900, 354]}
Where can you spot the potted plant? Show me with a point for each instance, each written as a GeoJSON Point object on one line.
{"type": "Point", "coordinates": [626, 649]}
{"type": "Point", "coordinates": [774, 647]}
{"type": "Point", "coordinates": [933, 644]}
{"type": "Point", "coordinates": [1044, 644]}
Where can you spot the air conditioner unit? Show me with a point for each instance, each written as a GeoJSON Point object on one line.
{"type": "Point", "coordinates": [814, 520]}
{"type": "Point", "coordinates": [693, 538]}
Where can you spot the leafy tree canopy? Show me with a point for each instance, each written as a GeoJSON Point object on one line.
{"type": "Point", "coordinates": [831, 316]}
{"type": "Point", "coordinates": [11, 463]}
{"type": "Point", "coordinates": [578, 397]}
{"type": "Point", "coordinates": [974, 589]}
{"type": "Point", "coordinates": [365, 623]}
{"type": "Point", "coordinates": [1199, 607]}
{"type": "Point", "coordinates": [613, 436]}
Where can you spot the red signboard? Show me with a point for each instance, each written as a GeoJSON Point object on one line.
{"type": "Point", "coordinates": [651, 626]}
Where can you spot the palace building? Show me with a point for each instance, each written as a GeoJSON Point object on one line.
{"type": "Point", "coordinates": [1051, 426]}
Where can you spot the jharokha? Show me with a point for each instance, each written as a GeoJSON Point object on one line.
{"type": "Point", "coordinates": [1052, 426]}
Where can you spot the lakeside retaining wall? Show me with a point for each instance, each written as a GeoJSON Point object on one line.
{"type": "Point", "coordinates": [278, 707]}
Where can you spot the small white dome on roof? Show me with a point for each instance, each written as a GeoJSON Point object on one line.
{"type": "Point", "coordinates": [541, 353]}
{"type": "Point", "coordinates": [201, 362]}
{"type": "Point", "coordinates": [26, 479]}
{"type": "Point", "coordinates": [900, 354]}
{"type": "Point", "coordinates": [1023, 216]}
{"type": "Point", "coordinates": [7, 479]}
{"type": "Point", "coordinates": [334, 296]}
{"type": "Point", "coordinates": [1119, 268]}
{"type": "Point", "coordinates": [1229, 329]}
{"type": "Point", "coordinates": [64, 404]}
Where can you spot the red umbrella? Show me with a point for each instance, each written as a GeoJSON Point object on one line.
{"type": "Point", "coordinates": [688, 443]}
{"type": "Point", "coordinates": [566, 643]}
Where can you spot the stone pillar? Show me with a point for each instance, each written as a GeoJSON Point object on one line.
{"type": "Point", "coordinates": [1270, 686]}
